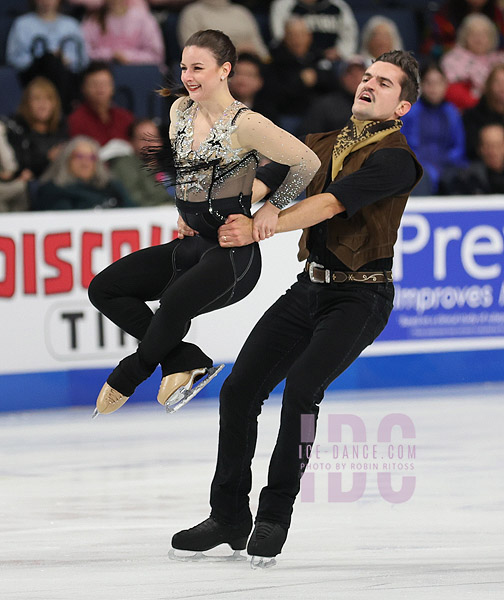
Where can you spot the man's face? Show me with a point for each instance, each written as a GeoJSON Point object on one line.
{"type": "Point", "coordinates": [145, 135]}
{"type": "Point", "coordinates": [434, 86]}
{"type": "Point", "coordinates": [497, 87]}
{"type": "Point", "coordinates": [297, 38]}
{"type": "Point", "coordinates": [352, 77]}
{"type": "Point", "coordinates": [378, 95]}
{"type": "Point", "coordinates": [247, 80]}
{"type": "Point", "coordinates": [491, 146]}
{"type": "Point", "coordinates": [98, 88]}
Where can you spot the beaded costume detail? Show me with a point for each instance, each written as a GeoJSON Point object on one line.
{"type": "Point", "coordinates": [221, 168]}
{"type": "Point", "coordinates": [202, 173]}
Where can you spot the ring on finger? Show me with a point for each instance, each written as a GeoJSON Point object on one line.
{"type": "Point", "coordinates": [224, 238]}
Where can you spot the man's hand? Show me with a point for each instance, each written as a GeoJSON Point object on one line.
{"type": "Point", "coordinates": [265, 222]}
{"type": "Point", "coordinates": [184, 230]}
{"type": "Point", "coordinates": [236, 231]}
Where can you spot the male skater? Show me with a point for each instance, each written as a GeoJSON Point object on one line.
{"type": "Point", "coordinates": [338, 306]}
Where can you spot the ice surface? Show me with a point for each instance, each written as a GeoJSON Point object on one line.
{"type": "Point", "coordinates": [88, 507]}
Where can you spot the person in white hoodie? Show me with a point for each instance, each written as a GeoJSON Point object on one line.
{"type": "Point", "coordinates": [234, 20]}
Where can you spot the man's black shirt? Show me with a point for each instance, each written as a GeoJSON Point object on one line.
{"type": "Point", "coordinates": [387, 172]}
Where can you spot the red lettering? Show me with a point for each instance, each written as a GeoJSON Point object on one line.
{"type": "Point", "coordinates": [29, 264]}
{"type": "Point", "coordinates": [63, 282]}
{"type": "Point", "coordinates": [8, 285]}
{"type": "Point", "coordinates": [89, 242]}
{"type": "Point", "coordinates": [155, 235]}
{"type": "Point", "coordinates": [129, 237]}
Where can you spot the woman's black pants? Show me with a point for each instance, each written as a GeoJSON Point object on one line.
{"type": "Point", "coordinates": [189, 277]}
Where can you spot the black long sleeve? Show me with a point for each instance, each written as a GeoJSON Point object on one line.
{"type": "Point", "coordinates": [385, 173]}
{"type": "Point", "coordinates": [272, 174]}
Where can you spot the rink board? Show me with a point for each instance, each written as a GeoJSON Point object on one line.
{"type": "Point", "coordinates": [447, 326]}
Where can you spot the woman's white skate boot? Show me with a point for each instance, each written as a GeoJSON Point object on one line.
{"type": "Point", "coordinates": [109, 400]}
{"type": "Point", "coordinates": [177, 389]}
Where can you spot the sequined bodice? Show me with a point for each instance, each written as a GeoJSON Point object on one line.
{"type": "Point", "coordinates": [215, 169]}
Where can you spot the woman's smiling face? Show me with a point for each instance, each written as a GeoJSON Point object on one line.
{"type": "Point", "coordinates": [201, 74]}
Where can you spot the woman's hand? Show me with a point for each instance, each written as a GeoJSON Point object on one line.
{"type": "Point", "coordinates": [184, 230]}
{"type": "Point", "coordinates": [265, 222]}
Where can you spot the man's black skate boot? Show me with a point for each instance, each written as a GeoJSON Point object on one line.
{"type": "Point", "coordinates": [210, 533]}
{"type": "Point", "coordinates": [266, 541]}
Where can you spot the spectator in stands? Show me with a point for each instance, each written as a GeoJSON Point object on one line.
{"type": "Point", "coordinates": [332, 23]}
{"type": "Point", "coordinates": [92, 5]}
{"type": "Point", "coordinates": [169, 5]}
{"type": "Point", "coordinates": [122, 33]}
{"type": "Point", "coordinates": [13, 185]}
{"type": "Point", "coordinates": [444, 23]}
{"type": "Point", "coordinates": [434, 130]}
{"type": "Point", "coordinates": [130, 170]}
{"type": "Point", "coordinates": [46, 42]}
{"type": "Point", "coordinates": [78, 179]}
{"type": "Point", "coordinates": [299, 73]}
{"type": "Point", "coordinates": [490, 109]}
{"type": "Point", "coordinates": [483, 176]}
{"type": "Point", "coordinates": [97, 116]}
{"type": "Point", "coordinates": [249, 85]}
{"type": "Point", "coordinates": [332, 111]}
{"type": "Point", "coordinates": [379, 35]}
{"type": "Point", "coordinates": [234, 20]}
{"type": "Point", "coordinates": [45, 30]}
{"type": "Point", "coordinates": [38, 130]}
{"type": "Point", "coordinates": [467, 66]}
{"type": "Point", "coordinates": [172, 5]}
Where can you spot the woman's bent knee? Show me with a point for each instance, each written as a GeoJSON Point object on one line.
{"type": "Point", "coordinates": [97, 291]}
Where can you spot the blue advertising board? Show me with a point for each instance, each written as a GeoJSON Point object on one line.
{"type": "Point", "coordinates": [449, 277]}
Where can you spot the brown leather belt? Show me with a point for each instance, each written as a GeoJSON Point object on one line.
{"type": "Point", "coordinates": [319, 274]}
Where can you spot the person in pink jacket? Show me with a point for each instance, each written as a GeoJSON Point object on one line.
{"type": "Point", "coordinates": [468, 64]}
{"type": "Point", "coordinates": [123, 32]}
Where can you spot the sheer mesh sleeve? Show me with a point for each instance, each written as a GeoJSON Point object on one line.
{"type": "Point", "coordinates": [256, 132]}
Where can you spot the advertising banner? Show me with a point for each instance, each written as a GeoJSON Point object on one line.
{"type": "Point", "coordinates": [448, 271]}
{"type": "Point", "coordinates": [47, 260]}
{"type": "Point", "coordinates": [449, 279]}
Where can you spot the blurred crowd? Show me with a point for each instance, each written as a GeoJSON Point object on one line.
{"type": "Point", "coordinates": [73, 141]}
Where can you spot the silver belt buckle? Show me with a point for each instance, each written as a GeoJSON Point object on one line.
{"type": "Point", "coordinates": [327, 273]}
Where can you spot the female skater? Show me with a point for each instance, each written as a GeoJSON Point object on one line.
{"type": "Point", "coordinates": [216, 143]}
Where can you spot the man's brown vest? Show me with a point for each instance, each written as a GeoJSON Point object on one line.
{"type": "Point", "coordinates": [372, 231]}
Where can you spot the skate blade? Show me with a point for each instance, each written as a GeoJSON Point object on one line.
{"type": "Point", "coordinates": [182, 396]}
{"type": "Point", "coordinates": [262, 562]}
{"type": "Point", "coordinates": [95, 413]}
{"type": "Point", "coordinates": [202, 557]}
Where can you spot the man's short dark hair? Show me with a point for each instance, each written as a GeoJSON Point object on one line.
{"type": "Point", "coordinates": [409, 65]}
{"type": "Point", "coordinates": [249, 57]}
{"type": "Point", "coordinates": [94, 67]}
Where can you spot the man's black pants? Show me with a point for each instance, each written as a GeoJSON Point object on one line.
{"type": "Point", "coordinates": [309, 336]}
